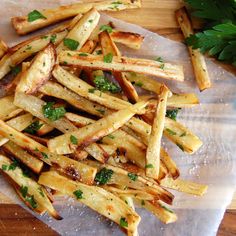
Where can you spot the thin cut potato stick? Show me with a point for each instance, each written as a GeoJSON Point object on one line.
{"type": "Point", "coordinates": [106, 203]}
{"type": "Point", "coordinates": [184, 186]}
{"type": "Point", "coordinates": [38, 72]}
{"type": "Point", "coordinates": [31, 187]}
{"type": "Point", "coordinates": [34, 106]}
{"type": "Point", "coordinates": [108, 46]}
{"type": "Point", "coordinates": [88, 47]}
{"type": "Point", "coordinates": [154, 145]}
{"type": "Point", "coordinates": [44, 129]}
{"type": "Point", "coordinates": [82, 30]}
{"type": "Point", "coordinates": [24, 50]}
{"type": "Point", "coordinates": [86, 135]}
{"type": "Point", "coordinates": [123, 64]}
{"type": "Point", "coordinates": [3, 48]}
{"type": "Point", "coordinates": [8, 109]}
{"type": "Point", "coordinates": [32, 162]}
{"type": "Point", "coordinates": [74, 169]}
{"type": "Point", "coordinates": [198, 60]}
{"type": "Point", "coordinates": [51, 16]}
{"type": "Point", "coordinates": [87, 91]}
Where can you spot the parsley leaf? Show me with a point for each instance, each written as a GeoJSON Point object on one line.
{"type": "Point", "coordinates": [108, 58]}
{"type": "Point", "coordinates": [149, 166]}
{"type": "Point", "coordinates": [78, 194]}
{"type": "Point", "coordinates": [71, 43]}
{"type": "Point", "coordinates": [73, 139]}
{"type": "Point", "coordinates": [171, 132]}
{"type": "Point", "coordinates": [103, 176]}
{"type": "Point", "coordinates": [31, 201]}
{"type": "Point", "coordinates": [166, 208]}
{"type": "Point", "coordinates": [33, 128]}
{"type": "Point", "coordinates": [53, 113]}
{"type": "Point", "coordinates": [106, 28]}
{"type": "Point", "coordinates": [53, 38]}
{"type": "Point", "coordinates": [45, 156]}
{"type": "Point", "coordinates": [35, 15]}
{"type": "Point", "coordinates": [172, 114]}
{"type": "Point", "coordinates": [15, 70]}
{"type": "Point", "coordinates": [132, 176]}
{"type": "Point", "coordinates": [24, 191]}
{"type": "Point", "coordinates": [104, 84]}
{"type": "Point", "coordinates": [123, 222]}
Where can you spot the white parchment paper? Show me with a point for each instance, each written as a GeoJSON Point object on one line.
{"type": "Point", "coordinates": [214, 121]}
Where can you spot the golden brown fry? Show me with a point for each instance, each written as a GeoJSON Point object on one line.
{"type": "Point", "coordinates": [38, 72]}
{"type": "Point", "coordinates": [39, 200]}
{"type": "Point", "coordinates": [3, 48]}
{"type": "Point", "coordinates": [198, 60]}
{"type": "Point", "coordinates": [108, 46]}
{"type": "Point", "coordinates": [51, 16]}
{"type": "Point", "coordinates": [96, 151]}
{"type": "Point", "coordinates": [74, 169]}
{"type": "Point", "coordinates": [32, 162]}
{"type": "Point", "coordinates": [106, 203]}
{"type": "Point", "coordinates": [91, 133]}
{"type": "Point", "coordinates": [122, 64]}
{"type": "Point", "coordinates": [184, 186]}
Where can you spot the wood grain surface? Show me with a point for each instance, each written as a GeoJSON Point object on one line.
{"type": "Point", "coordinates": [157, 16]}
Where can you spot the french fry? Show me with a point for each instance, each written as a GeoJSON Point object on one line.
{"type": "Point", "coordinates": [184, 186]}
{"type": "Point", "coordinates": [154, 146]}
{"type": "Point", "coordinates": [82, 30]}
{"type": "Point", "coordinates": [24, 50]}
{"type": "Point", "coordinates": [198, 60]}
{"type": "Point", "coordinates": [96, 151]}
{"type": "Point", "coordinates": [87, 91]}
{"type": "Point", "coordinates": [129, 39]}
{"type": "Point", "coordinates": [114, 209]}
{"type": "Point", "coordinates": [91, 133]}
{"type": "Point", "coordinates": [23, 26]}
{"type": "Point", "coordinates": [56, 90]}
{"type": "Point", "coordinates": [38, 198]}
{"type": "Point", "coordinates": [3, 48]}
{"type": "Point", "coordinates": [44, 129]}
{"type": "Point", "coordinates": [34, 106]}
{"type": "Point", "coordinates": [163, 213]}
{"type": "Point", "coordinates": [123, 64]}
{"type": "Point", "coordinates": [8, 109]}
{"type": "Point", "coordinates": [39, 71]}
{"type": "Point", "coordinates": [74, 169]}
{"type": "Point", "coordinates": [182, 100]}
{"type": "Point", "coordinates": [79, 155]}
{"type": "Point", "coordinates": [108, 46]}
{"type": "Point", "coordinates": [32, 162]}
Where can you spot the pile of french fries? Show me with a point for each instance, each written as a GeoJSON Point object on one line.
{"type": "Point", "coordinates": [73, 123]}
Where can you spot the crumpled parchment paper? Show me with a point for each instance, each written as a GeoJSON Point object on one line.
{"type": "Point", "coordinates": [214, 121]}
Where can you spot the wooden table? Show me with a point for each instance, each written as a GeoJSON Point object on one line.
{"type": "Point", "coordinates": [157, 16]}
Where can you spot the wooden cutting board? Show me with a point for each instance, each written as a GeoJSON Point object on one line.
{"type": "Point", "coordinates": [157, 16]}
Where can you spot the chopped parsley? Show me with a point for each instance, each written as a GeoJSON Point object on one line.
{"type": "Point", "coordinates": [166, 208]}
{"type": "Point", "coordinates": [123, 222]}
{"type": "Point", "coordinates": [106, 28]}
{"type": "Point", "coordinates": [162, 66]}
{"type": "Point", "coordinates": [78, 194]}
{"type": "Point", "coordinates": [99, 52]}
{"type": "Point", "coordinates": [28, 47]}
{"type": "Point", "coordinates": [103, 84]}
{"type": "Point", "coordinates": [83, 54]}
{"type": "Point", "coordinates": [101, 111]}
{"type": "Point", "coordinates": [53, 38]}
{"type": "Point", "coordinates": [149, 166]}
{"type": "Point", "coordinates": [45, 156]}
{"type": "Point", "coordinates": [180, 146]}
{"type": "Point", "coordinates": [73, 139]}
{"type": "Point", "coordinates": [31, 201]}
{"type": "Point", "coordinates": [172, 114]}
{"type": "Point", "coordinates": [171, 132]}
{"type": "Point", "coordinates": [71, 43]}
{"type": "Point", "coordinates": [53, 113]}
{"type": "Point", "coordinates": [108, 58]}
{"type": "Point", "coordinates": [24, 191]}
{"type": "Point", "coordinates": [143, 203]}
{"type": "Point", "coordinates": [159, 59]}
{"type": "Point", "coordinates": [183, 134]}
{"type": "Point", "coordinates": [132, 176]}
{"type": "Point", "coordinates": [44, 37]}
{"type": "Point", "coordinates": [90, 21]}
{"type": "Point", "coordinates": [41, 191]}
{"type": "Point", "coordinates": [110, 136]}
{"type": "Point", "coordinates": [33, 128]}
{"type": "Point", "coordinates": [4, 167]}
{"type": "Point", "coordinates": [15, 70]}
{"type": "Point", "coordinates": [12, 166]}
{"type": "Point", "coordinates": [103, 176]}
{"type": "Point", "coordinates": [139, 84]}
{"type": "Point", "coordinates": [91, 90]}
{"type": "Point", "coordinates": [35, 15]}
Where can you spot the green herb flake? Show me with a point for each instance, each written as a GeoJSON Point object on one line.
{"type": "Point", "coordinates": [172, 114]}
{"type": "Point", "coordinates": [106, 28]}
{"type": "Point", "coordinates": [143, 203]}
{"type": "Point", "coordinates": [99, 52]}
{"type": "Point", "coordinates": [149, 166]}
{"type": "Point", "coordinates": [78, 194]}
{"type": "Point", "coordinates": [101, 111]}
{"type": "Point", "coordinates": [110, 136]}
{"type": "Point", "coordinates": [90, 21]}
{"type": "Point", "coordinates": [132, 176]}
{"type": "Point", "coordinates": [91, 90]}
{"type": "Point", "coordinates": [28, 47]}
{"type": "Point", "coordinates": [108, 58]}
{"type": "Point", "coordinates": [35, 15]}
{"type": "Point", "coordinates": [53, 113]}
{"type": "Point", "coordinates": [83, 54]}
{"type": "Point", "coordinates": [44, 37]}
{"type": "Point", "coordinates": [33, 128]}
{"type": "Point", "coordinates": [171, 132]}
{"type": "Point", "coordinates": [15, 70]}
{"type": "Point", "coordinates": [13, 165]}
{"type": "Point", "coordinates": [162, 66]}
{"type": "Point", "coordinates": [53, 38]}
{"type": "Point", "coordinates": [24, 191]}
{"type": "Point", "coordinates": [166, 208]}
{"type": "Point", "coordinates": [4, 167]}
{"type": "Point", "coordinates": [45, 156]}
{"type": "Point", "coordinates": [123, 222]}
{"type": "Point", "coordinates": [180, 146]}
{"type": "Point", "coordinates": [73, 140]}
{"type": "Point", "coordinates": [41, 191]}
{"type": "Point", "coordinates": [31, 201]}
{"type": "Point", "coordinates": [183, 134]}
{"type": "Point", "coordinates": [159, 59]}
{"type": "Point", "coordinates": [139, 84]}
{"type": "Point", "coordinates": [103, 176]}
{"type": "Point", "coordinates": [71, 43]}
{"type": "Point", "coordinates": [103, 84]}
